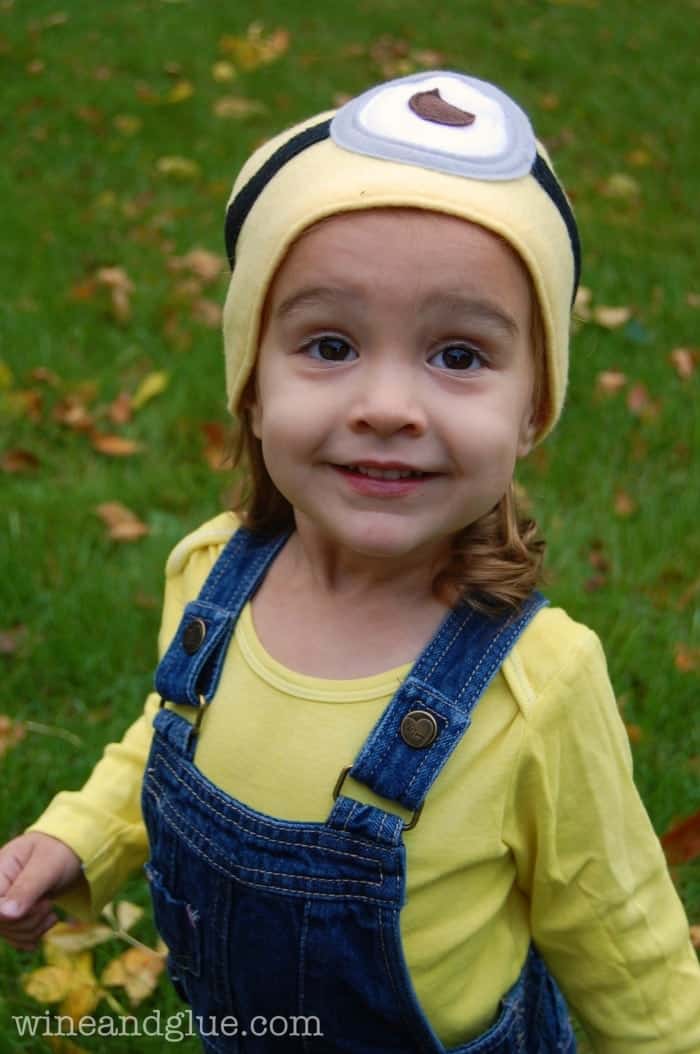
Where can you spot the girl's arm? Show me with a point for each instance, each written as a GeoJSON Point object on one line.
{"type": "Point", "coordinates": [604, 911]}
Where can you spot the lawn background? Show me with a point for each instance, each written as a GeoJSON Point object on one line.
{"type": "Point", "coordinates": [92, 102]}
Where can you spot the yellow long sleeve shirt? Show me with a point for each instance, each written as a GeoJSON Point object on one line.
{"type": "Point", "coordinates": [533, 829]}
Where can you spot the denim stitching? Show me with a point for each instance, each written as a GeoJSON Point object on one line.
{"type": "Point", "coordinates": [302, 961]}
{"type": "Point", "coordinates": [197, 850]}
{"type": "Point", "coordinates": [164, 803]}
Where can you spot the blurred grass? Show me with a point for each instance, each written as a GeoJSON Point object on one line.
{"type": "Point", "coordinates": [610, 88]}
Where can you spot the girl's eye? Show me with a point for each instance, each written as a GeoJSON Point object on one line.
{"type": "Point", "coordinates": [330, 349]}
{"type": "Point", "coordinates": [458, 357]}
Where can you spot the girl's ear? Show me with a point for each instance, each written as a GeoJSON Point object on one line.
{"type": "Point", "coordinates": [528, 431]}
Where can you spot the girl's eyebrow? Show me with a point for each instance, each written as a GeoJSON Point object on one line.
{"type": "Point", "coordinates": [468, 308]}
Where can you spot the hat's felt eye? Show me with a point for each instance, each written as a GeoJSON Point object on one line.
{"type": "Point", "coordinates": [444, 121]}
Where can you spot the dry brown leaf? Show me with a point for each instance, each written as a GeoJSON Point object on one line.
{"type": "Point", "coordinates": [122, 524]}
{"type": "Point", "coordinates": [115, 446]}
{"type": "Point", "coordinates": [208, 312]}
{"type": "Point", "coordinates": [127, 123]}
{"type": "Point", "coordinates": [634, 733]}
{"type": "Point", "coordinates": [43, 375]}
{"type": "Point", "coordinates": [11, 733]}
{"type": "Point", "coordinates": [73, 413]}
{"type": "Point", "coordinates": [611, 317]}
{"type": "Point", "coordinates": [640, 403]}
{"type": "Point", "coordinates": [120, 286]}
{"type": "Point", "coordinates": [205, 265]}
{"type": "Point", "coordinates": [695, 936]}
{"type": "Point", "coordinates": [216, 449]}
{"type": "Point", "coordinates": [686, 659]}
{"type": "Point", "coordinates": [137, 971]}
{"type": "Point", "coordinates": [11, 640]}
{"type": "Point", "coordinates": [639, 157]}
{"type": "Point", "coordinates": [18, 461]}
{"type": "Point", "coordinates": [120, 410]}
{"type": "Point", "coordinates": [681, 843]}
{"type": "Point", "coordinates": [27, 402]}
{"type": "Point", "coordinates": [692, 299]}
{"type": "Point", "coordinates": [684, 361]}
{"type": "Point", "coordinates": [624, 504]}
{"type": "Point", "coordinates": [608, 382]}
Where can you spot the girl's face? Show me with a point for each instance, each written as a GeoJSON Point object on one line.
{"type": "Point", "coordinates": [394, 341]}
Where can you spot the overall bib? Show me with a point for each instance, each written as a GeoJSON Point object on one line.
{"type": "Point", "coordinates": [288, 933]}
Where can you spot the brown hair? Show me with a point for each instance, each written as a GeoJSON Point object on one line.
{"type": "Point", "coordinates": [494, 563]}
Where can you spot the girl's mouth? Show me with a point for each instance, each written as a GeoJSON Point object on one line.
{"type": "Point", "coordinates": [391, 482]}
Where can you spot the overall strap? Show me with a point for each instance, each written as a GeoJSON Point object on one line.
{"type": "Point", "coordinates": [192, 665]}
{"type": "Point", "coordinates": [431, 711]}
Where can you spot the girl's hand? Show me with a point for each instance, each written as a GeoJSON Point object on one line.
{"type": "Point", "coordinates": [32, 867]}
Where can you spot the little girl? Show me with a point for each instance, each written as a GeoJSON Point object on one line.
{"type": "Point", "coordinates": [387, 794]}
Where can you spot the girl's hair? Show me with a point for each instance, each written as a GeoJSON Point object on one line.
{"type": "Point", "coordinates": [494, 563]}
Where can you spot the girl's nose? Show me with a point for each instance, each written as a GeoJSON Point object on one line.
{"type": "Point", "coordinates": [387, 401]}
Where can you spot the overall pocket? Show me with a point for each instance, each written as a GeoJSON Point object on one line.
{"type": "Point", "coordinates": [178, 924]}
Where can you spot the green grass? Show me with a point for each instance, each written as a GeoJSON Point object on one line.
{"type": "Point", "coordinates": [611, 90]}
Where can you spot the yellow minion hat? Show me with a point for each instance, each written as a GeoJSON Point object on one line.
{"type": "Point", "coordinates": [440, 141]}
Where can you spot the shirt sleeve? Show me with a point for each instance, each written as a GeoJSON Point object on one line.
{"type": "Point", "coordinates": [604, 911]}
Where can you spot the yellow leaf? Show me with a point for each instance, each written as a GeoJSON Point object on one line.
{"type": "Point", "coordinates": [5, 376]}
{"type": "Point", "coordinates": [612, 317]}
{"type": "Point", "coordinates": [234, 106]}
{"type": "Point", "coordinates": [684, 361]}
{"type": "Point", "coordinates": [620, 185]}
{"type": "Point", "coordinates": [137, 971]}
{"type": "Point", "coordinates": [582, 303]}
{"type": "Point", "coordinates": [179, 92]}
{"type": "Point", "coordinates": [610, 381]}
{"type": "Point", "coordinates": [69, 938]}
{"type": "Point", "coordinates": [223, 71]}
{"type": "Point", "coordinates": [255, 49]}
{"type": "Point", "coordinates": [81, 1000]}
{"type": "Point", "coordinates": [62, 1045]}
{"type": "Point", "coordinates": [48, 984]}
{"type": "Point", "coordinates": [127, 123]}
{"type": "Point", "coordinates": [153, 384]}
{"type": "Point", "coordinates": [122, 915]}
{"type": "Point", "coordinates": [178, 167]}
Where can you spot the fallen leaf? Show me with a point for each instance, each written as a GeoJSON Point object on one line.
{"type": "Point", "coordinates": [73, 413]}
{"type": "Point", "coordinates": [48, 984]}
{"type": "Point", "coordinates": [684, 361]}
{"type": "Point", "coordinates": [692, 299]}
{"type": "Point", "coordinates": [152, 385]}
{"type": "Point", "coordinates": [11, 640]}
{"type": "Point", "coordinates": [69, 938]}
{"type": "Point", "coordinates": [120, 287]}
{"type": "Point", "coordinates": [695, 936]}
{"type": "Point", "coordinates": [223, 71]}
{"type": "Point", "coordinates": [120, 409]}
{"type": "Point", "coordinates": [11, 733]}
{"type": "Point", "coordinates": [137, 971]}
{"type": "Point", "coordinates": [208, 312]}
{"type": "Point", "coordinates": [582, 303]}
{"type": "Point", "coordinates": [62, 1045]}
{"type": "Point", "coordinates": [43, 375]}
{"type": "Point", "coordinates": [686, 659]}
{"type": "Point", "coordinates": [611, 317]}
{"type": "Point", "coordinates": [205, 265]}
{"type": "Point", "coordinates": [18, 461]}
{"type": "Point", "coordinates": [122, 524]}
{"type": "Point", "coordinates": [640, 403]}
{"type": "Point", "coordinates": [127, 123]}
{"type": "Point", "coordinates": [178, 167]}
{"type": "Point", "coordinates": [216, 449]}
{"type": "Point", "coordinates": [255, 48]}
{"type": "Point", "coordinates": [549, 101]}
{"type": "Point", "coordinates": [114, 446]}
{"type": "Point", "coordinates": [624, 505]}
{"type": "Point", "coordinates": [639, 157]}
{"type": "Point", "coordinates": [27, 402]}
{"type": "Point", "coordinates": [237, 107]}
{"type": "Point", "coordinates": [682, 842]}
{"type": "Point", "coordinates": [122, 915]}
{"type": "Point", "coordinates": [620, 185]}
{"type": "Point", "coordinates": [608, 382]}
{"type": "Point", "coordinates": [634, 733]}
{"type": "Point", "coordinates": [180, 92]}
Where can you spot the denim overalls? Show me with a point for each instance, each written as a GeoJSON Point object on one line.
{"type": "Point", "coordinates": [288, 933]}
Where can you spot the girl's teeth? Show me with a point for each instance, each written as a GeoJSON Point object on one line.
{"type": "Point", "coordinates": [390, 473]}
